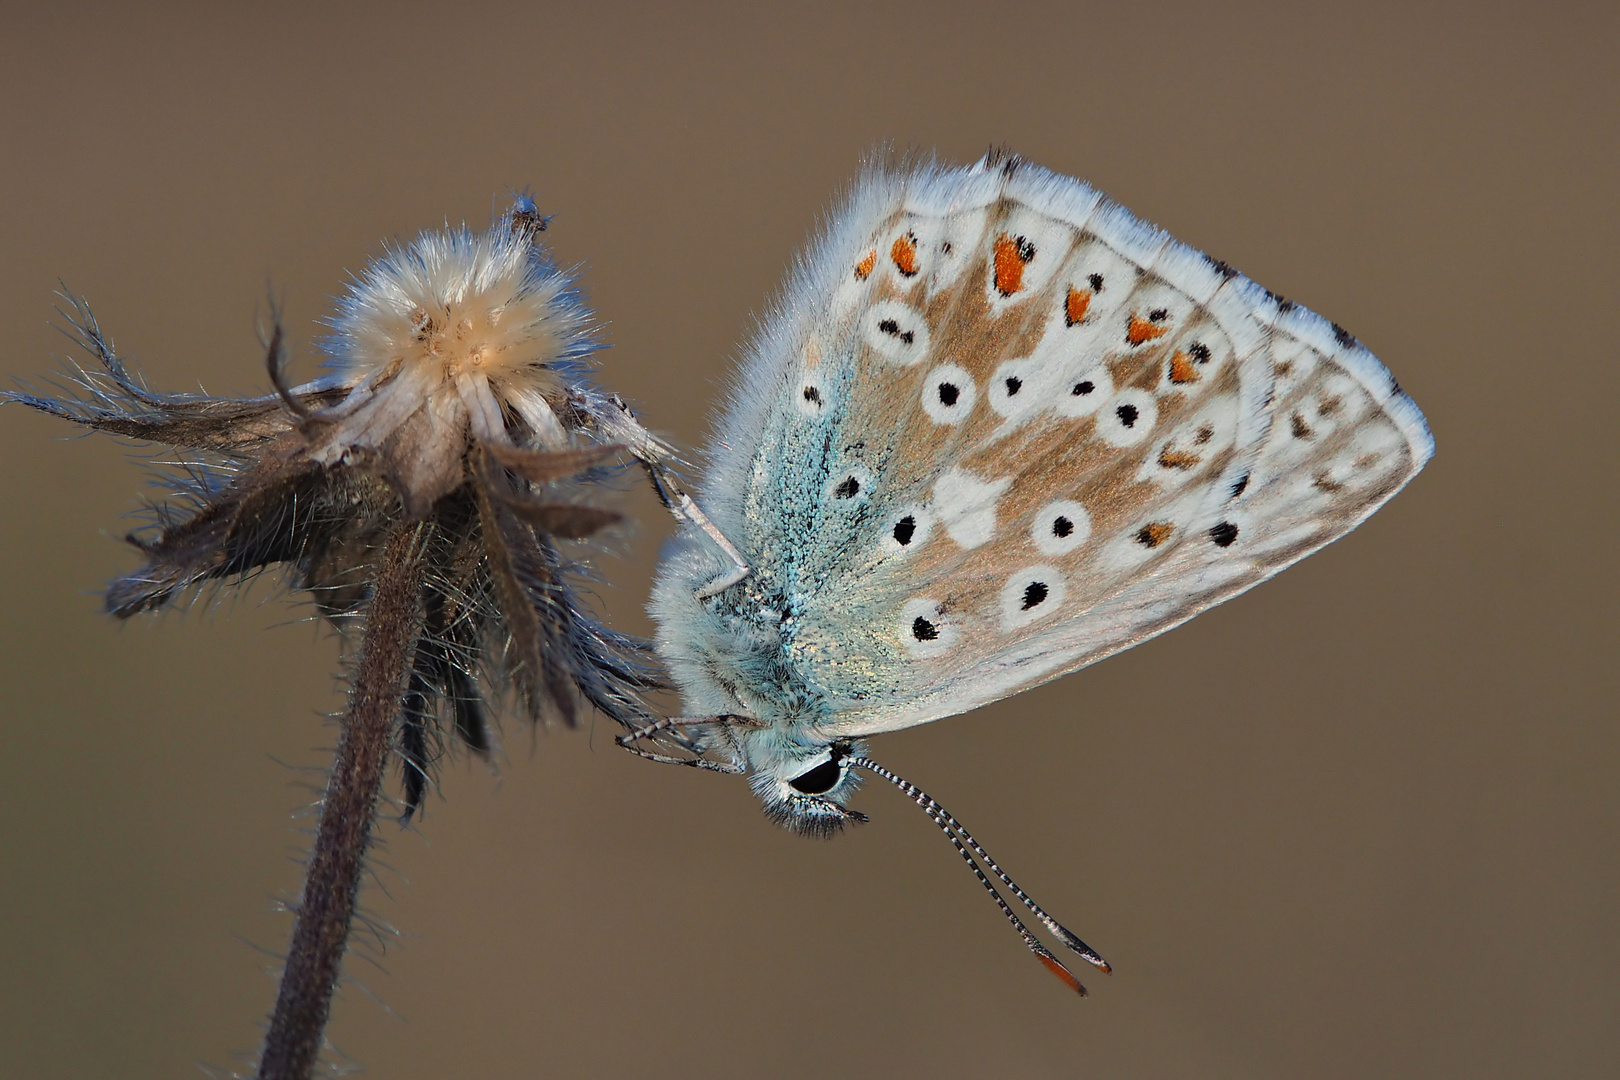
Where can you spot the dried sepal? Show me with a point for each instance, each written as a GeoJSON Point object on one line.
{"type": "Point", "coordinates": [109, 397]}
{"type": "Point", "coordinates": [564, 520]}
{"type": "Point", "coordinates": [549, 466]}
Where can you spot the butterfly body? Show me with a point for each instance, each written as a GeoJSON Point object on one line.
{"type": "Point", "coordinates": [997, 430]}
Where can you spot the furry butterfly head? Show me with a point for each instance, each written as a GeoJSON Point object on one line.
{"type": "Point", "coordinates": [997, 429]}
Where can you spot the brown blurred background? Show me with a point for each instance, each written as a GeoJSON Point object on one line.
{"type": "Point", "coordinates": [1366, 828]}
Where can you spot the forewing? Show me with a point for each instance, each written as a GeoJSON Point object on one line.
{"type": "Point", "coordinates": [1015, 430]}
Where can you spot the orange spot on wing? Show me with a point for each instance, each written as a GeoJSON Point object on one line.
{"type": "Point", "coordinates": [904, 254]}
{"type": "Point", "coordinates": [1181, 366]}
{"type": "Point", "coordinates": [1141, 330]}
{"type": "Point", "coordinates": [1177, 459]}
{"type": "Point", "coordinates": [1326, 483]}
{"type": "Point", "coordinates": [1074, 307]}
{"type": "Point", "coordinates": [1012, 254]}
{"type": "Point", "coordinates": [1154, 534]}
{"type": "Point", "coordinates": [863, 269]}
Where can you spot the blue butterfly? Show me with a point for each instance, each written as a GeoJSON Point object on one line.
{"type": "Point", "coordinates": [995, 429]}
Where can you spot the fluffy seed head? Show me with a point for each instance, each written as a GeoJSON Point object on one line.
{"type": "Point", "coordinates": [456, 301]}
{"type": "Point", "coordinates": [459, 335]}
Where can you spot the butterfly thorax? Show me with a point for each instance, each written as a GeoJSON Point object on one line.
{"type": "Point", "coordinates": [749, 653]}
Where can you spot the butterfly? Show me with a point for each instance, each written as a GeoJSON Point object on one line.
{"type": "Point", "coordinates": [995, 429]}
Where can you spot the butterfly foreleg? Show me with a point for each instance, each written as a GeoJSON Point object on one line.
{"type": "Point", "coordinates": [674, 724]}
{"type": "Point", "coordinates": [730, 768]}
{"type": "Point", "coordinates": [620, 425]}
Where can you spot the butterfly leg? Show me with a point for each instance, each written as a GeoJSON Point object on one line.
{"type": "Point", "coordinates": [727, 767]}
{"type": "Point", "coordinates": [673, 724]}
{"type": "Point", "coordinates": [621, 426]}
{"type": "Point", "coordinates": [681, 505]}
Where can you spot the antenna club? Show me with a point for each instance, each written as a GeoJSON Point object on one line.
{"type": "Point", "coordinates": [1062, 973]}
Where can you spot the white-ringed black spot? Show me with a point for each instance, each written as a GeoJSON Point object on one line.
{"type": "Point", "coordinates": [1223, 534]}
{"type": "Point", "coordinates": [1035, 592]}
{"type": "Point", "coordinates": [949, 394]}
{"type": "Point", "coordinates": [925, 630]}
{"type": "Point", "coordinates": [905, 529]}
{"type": "Point", "coordinates": [1082, 388]}
{"type": "Point", "coordinates": [892, 328]}
{"type": "Point", "coordinates": [1014, 384]}
{"type": "Point", "coordinates": [896, 332]}
{"type": "Point", "coordinates": [1059, 527]}
{"type": "Point", "coordinates": [1127, 417]}
{"type": "Point", "coordinates": [848, 488]}
{"type": "Point", "coordinates": [812, 395]}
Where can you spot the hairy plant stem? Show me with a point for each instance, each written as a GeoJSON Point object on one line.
{"type": "Point", "coordinates": [332, 882]}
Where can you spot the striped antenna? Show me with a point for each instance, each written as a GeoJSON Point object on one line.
{"type": "Point", "coordinates": [967, 847]}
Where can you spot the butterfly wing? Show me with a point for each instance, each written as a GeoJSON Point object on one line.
{"type": "Point", "coordinates": [1003, 429]}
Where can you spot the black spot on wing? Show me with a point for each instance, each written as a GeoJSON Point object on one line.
{"type": "Point", "coordinates": [892, 328]}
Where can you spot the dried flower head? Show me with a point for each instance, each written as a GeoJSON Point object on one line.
{"type": "Point", "coordinates": [418, 491]}
{"type": "Point", "coordinates": [460, 333]}
{"type": "Point", "coordinates": [455, 399]}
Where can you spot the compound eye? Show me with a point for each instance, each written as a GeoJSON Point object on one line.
{"type": "Point", "coordinates": [819, 780]}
